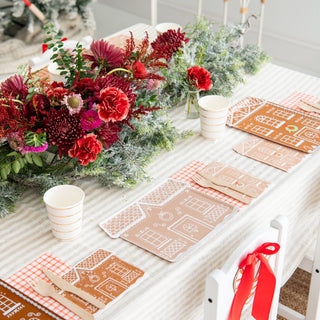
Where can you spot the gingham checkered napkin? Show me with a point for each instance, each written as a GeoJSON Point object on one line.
{"type": "Point", "coordinates": [20, 279]}
{"type": "Point", "coordinates": [189, 170]}
{"type": "Point", "coordinates": [293, 99]}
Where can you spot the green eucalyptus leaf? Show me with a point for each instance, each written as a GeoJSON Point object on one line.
{"type": "Point", "coordinates": [28, 157]}
{"type": "Point", "coordinates": [3, 173]}
{"type": "Point", "coordinates": [37, 160]}
{"type": "Point", "coordinates": [16, 166]}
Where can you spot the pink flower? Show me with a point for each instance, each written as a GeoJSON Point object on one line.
{"type": "Point", "coordinates": [90, 120]}
{"type": "Point", "coordinates": [114, 105]}
{"type": "Point", "coordinates": [28, 149]}
{"type": "Point", "coordinates": [73, 102]}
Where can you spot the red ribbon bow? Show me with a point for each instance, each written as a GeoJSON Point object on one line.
{"type": "Point", "coordinates": [45, 45]}
{"type": "Point", "coordinates": [265, 283]}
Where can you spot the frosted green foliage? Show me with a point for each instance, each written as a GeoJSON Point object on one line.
{"type": "Point", "coordinates": [9, 193]}
{"type": "Point", "coordinates": [217, 51]}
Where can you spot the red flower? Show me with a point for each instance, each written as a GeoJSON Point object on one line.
{"type": "Point", "coordinates": [63, 129]}
{"type": "Point", "coordinates": [86, 149]}
{"type": "Point", "coordinates": [15, 85]}
{"type": "Point", "coordinates": [169, 42]}
{"type": "Point", "coordinates": [114, 105]}
{"type": "Point", "coordinates": [38, 106]}
{"type": "Point", "coordinates": [56, 91]}
{"type": "Point", "coordinates": [108, 134]}
{"type": "Point", "coordinates": [199, 77]}
{"type": "Point", "coordinates": [139, 70]}
{"type": "Point", "coordinates": [105, 54]}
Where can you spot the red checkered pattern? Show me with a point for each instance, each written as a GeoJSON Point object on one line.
{"type": "Point", "coordinates": [186, 173]}
{"type": "Point", "coordinates": [292, 100]}
{"type": "Point", "coordinates": [20, 279]}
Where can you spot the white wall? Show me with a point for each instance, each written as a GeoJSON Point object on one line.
{"type": "Point", "coordinates": [291, 33]}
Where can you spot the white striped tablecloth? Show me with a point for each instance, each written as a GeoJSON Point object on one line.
{"type": "Point", "coordinates": [175, 291]}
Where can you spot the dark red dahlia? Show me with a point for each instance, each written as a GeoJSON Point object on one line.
{"type": "Point", "coordinates": [108, 133]}
{"type": "Point", "coordinates": [63, 129]}
{"type": "Point", "coordinates": [38, 106]}
{"type": "Point", "coordinates": [15, 86]}
{"type": "Point", "coordinates": [168, 43]}
{"type": "Point", "coordinates": [105, 54]}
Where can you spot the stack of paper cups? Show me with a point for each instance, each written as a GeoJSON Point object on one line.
{"type": "Point", "coordinates": [65, 206]}
{"type": "Point", "coordinates": [213, 116]}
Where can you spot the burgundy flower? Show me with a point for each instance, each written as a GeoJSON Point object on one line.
{"type": "Point", "coordinates": [199, 77]}
{"type": "Point", "coordinates": [169, 42]}
{"type": "Point", "coordinates": [56, 91]}
{"type": "Point", "coordinates": [38, 107]}
{"type": "Point", "coordinates": [86, 149]}
{"type": "Point", "coordinates": [63, 129]}
{"type": "Point", "coordinates": [15, 86]}
{"type": "Point", "coordinates": [105, 54]}
{"type": "Point", "coordinates": [139, 70]}
{"type": "Point", "coordinates": [114, 105]}
{"type": "Point", "coordinates": [108, 134]}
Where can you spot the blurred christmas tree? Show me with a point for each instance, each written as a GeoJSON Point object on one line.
{"type": "Point", "coordinates": [21, 32]}
{"type": "Point", "coordinates": [15, 15]}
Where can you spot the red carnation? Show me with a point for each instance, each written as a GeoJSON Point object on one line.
{"type": "Point", "coordinates": [86, 149]}
{"type": "Point", "coordinates": [199, 77]}
{"type": "Point", "coordinates": [114, 105]}
{"type": "Point", "coordinates": [139, 70]}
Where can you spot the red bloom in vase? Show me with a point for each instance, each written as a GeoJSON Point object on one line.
{"type": "Point", "coordinates": [199, 77]}
{"type": "Point", "coordinates": [139, 70]}
{"type": "Point", "coordinates": [86, 149]}
{"type": "Point", "coordinates": [114, 105]}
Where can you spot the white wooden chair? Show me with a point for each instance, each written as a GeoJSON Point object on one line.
{"type": "Point", "coordinates": [311, 265]}
{"type": "Point", "coordinates": [221, 282]}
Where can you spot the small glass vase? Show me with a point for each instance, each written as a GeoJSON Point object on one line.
{"type": "Point", "coordinates": [192, 107]}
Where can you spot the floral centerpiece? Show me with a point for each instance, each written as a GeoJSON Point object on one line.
{"type": "Point", "coordinates": [67, 130]}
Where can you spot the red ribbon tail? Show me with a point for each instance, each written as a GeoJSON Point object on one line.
{"type": "Point", "coordinates": [242, 293]}
{"type": "Point", "coordinates": [264, 292]}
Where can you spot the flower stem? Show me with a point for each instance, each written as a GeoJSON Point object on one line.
{"type": "Point", "coordinates": [118, 69]}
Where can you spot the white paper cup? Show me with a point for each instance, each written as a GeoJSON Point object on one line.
{"type": "Point", "coordinates": [65, 206]}
{"type": "Point", "coordinates": [213, 116]}
{"type": "Point", "coordinates": [54, 73]}
{"type": "Point", "coordinates": [163, 27]}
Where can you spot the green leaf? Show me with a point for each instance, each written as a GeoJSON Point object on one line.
{"type": "Point", "coordinates": [13, 153]}
{"type": "Point", "coordinates": [16, 166]}
{"type": "Point", "coordinates": [3, 173]}
{"type": "Point", "coordinates": [8, 168]}
{"type": "Point", "coordinates": [28, 158]}
{"type": "Point", "coordinates": [46, 40]}
{"type": "Point", "coordinates": [50, 46]}
{"type": "Point", "coordinates": [22, 162]}
{"type": "Point", "coordinates": [37, 159]}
